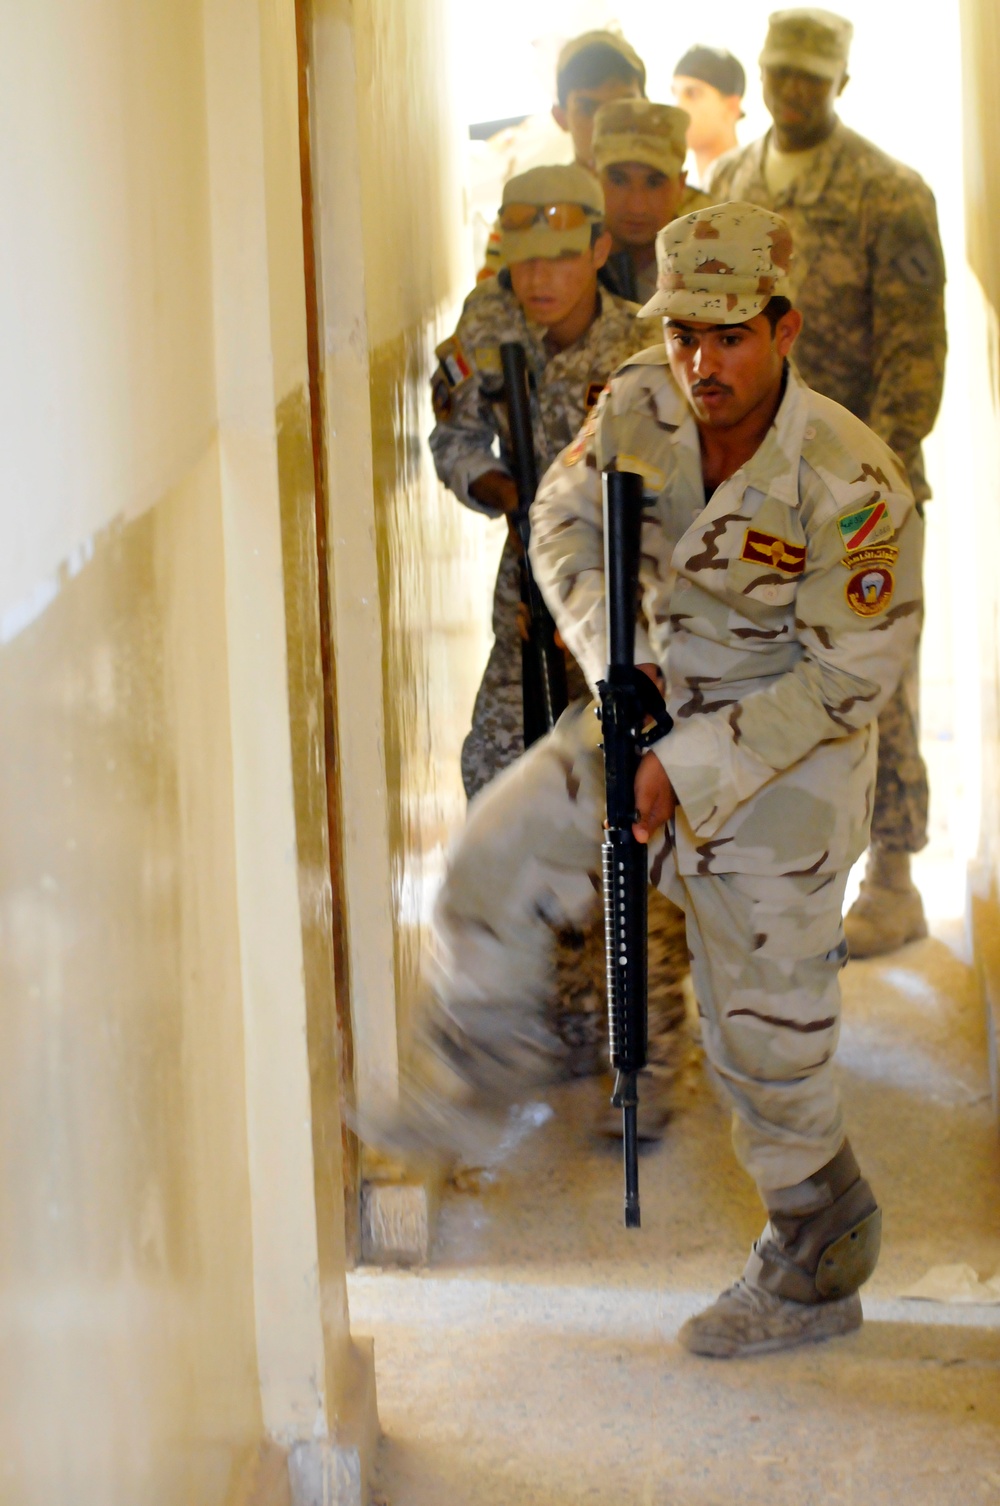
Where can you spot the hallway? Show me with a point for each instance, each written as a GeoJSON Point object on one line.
{"type": "Point", "coordinates": [535, 1359]}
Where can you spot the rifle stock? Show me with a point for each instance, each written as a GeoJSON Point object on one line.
{"type": "Point", "coordinates": [628, 699]}
{"type": "Point", "coordinates": [543, 668]}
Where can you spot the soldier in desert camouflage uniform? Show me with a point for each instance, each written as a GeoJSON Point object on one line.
{"type": "Point", "coordinates": [639, 150]}
{"type": "Point", "coordinates": [569, 360]}
{"type": "Point", "coordinates": [780, 572]}
{"type": "Point", "coordinates": [869, 280]}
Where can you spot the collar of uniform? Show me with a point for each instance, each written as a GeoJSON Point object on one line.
{"type": "Point", "coordinates": [774, 467]}
{"type": "Point", "coordinates": [808, 190]}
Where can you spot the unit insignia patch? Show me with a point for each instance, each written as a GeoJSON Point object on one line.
{"type": "Point", "coordinates": [869, 591]}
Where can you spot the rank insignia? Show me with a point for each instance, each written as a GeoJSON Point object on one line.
{"type": "Point", "coordinates": [868, 525]}
{"type": "Point", "coordinates": [766, 549]}
{"type": "Point", "coordinates": [454, 363]}
{"type": "Point", "coordinates": [869, 591]}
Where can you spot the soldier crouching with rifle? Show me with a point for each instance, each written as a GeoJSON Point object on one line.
{"type": "Point", "coordinates": [778, 639]}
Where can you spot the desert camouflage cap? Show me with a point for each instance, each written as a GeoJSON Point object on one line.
{"type": "Point", "coordinates": [636, 130]}
{"type": "Point", "coordinates": [814, 41]}
{"type": "Point", "coordinates": [721, 264]}
{"type": "Point", "coordinates": [569, 184]}
{"type": "Point", "coordinates": [613, 39]}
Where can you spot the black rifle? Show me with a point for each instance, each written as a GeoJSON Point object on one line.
{"type": "Point", "coordinates": [543, 668]}
{"type": "Point", "coordinates": [628, 700]}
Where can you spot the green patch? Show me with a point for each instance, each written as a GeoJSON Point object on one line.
{"type": "Point", "coordinates": [868, 525]}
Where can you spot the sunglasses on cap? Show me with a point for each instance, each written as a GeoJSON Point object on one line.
{"type": "Point", "coordinates": [555, 216]}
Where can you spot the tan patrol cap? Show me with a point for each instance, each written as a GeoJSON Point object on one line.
{"type": "Point", "coordinates": [813, 41]}
{"type": "Point", "coordinates": [612, 39]}
{"type": "Point", "coordinates": [721, 264]}
{"type": "Point", "coordinates": [542, 186]}
{"type": "Point", "coordinates": [636, 130]}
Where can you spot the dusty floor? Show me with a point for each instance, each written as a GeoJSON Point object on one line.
{"type": "Point", "coordinates": [535, 1359]}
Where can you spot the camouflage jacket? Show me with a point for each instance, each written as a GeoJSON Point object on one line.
{"type": "Point", "coordinates": [467, 385]}
{"type": "Point", "coordinates": [868, 276]}
{"type": "Point", "coordinates": [782, 612]}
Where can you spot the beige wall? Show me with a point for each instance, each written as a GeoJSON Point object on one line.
{"type": "Point", "coordinates": [412, 570]}
{"type": "Point", "coordinates": [981, 48]}
{"type": "Point", "coordinates": [171, 1222]}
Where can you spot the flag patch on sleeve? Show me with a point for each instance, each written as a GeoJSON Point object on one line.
{"type": "Point", "coordinates": [454, 362]}
{"type": "Point", "coordinates": [867, 525]}
{"type": "Point", "coordinates": [767, 549]}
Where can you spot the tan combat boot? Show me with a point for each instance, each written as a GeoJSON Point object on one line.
{"type": "Point", "coordinates": [800, 1284]}
{"type": "Point", "coordinates": [747, 1320]}
{"type": "Point", "coordinates": [889, 911]}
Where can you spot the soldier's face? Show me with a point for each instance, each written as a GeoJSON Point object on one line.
{"type": "Point", "coordinates": [802, 106]}
{"type": "Point", "coordinates": [638, 201]}
{"type": "Point", "coordinates": [728, 371]}
{"type": "Point", "coordinates": [577, 117]}
{"type": "Point", "coordinates": [713, 114]}
{"type": "Point", "coordinates": [552, 289]}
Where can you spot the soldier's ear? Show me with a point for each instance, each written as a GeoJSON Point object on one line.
{"type": "Point", "coordinates": [560, 117]}
{"type": "Point", "coordinates": [786, 331]}
{"type": "Point", "coordinates": [843, 83]}
{"type": "Point", "coordinates": [601, 250]}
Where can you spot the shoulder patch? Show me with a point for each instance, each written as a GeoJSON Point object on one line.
{"type": "Point", "coordinates": [867, 525]}
{"type": "Point", "coordinates": [454, 362]}
{"type": "Point", "coordinates": [918, 265]}
{"type": "Point", "coordinates": [879, 554]}
{"type": "Point", "coordinates": [869, 591]}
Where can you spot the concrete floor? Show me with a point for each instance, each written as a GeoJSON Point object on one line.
{"type": "Point", "coordinates": [535, 1359]}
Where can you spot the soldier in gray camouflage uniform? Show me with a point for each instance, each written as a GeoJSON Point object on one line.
{"type": "Point", "coordinates": [570, 358]}
{"type": "Point", "coordinates": [869, 281]}
{"type": "Point", "coordinates": [780, 571]}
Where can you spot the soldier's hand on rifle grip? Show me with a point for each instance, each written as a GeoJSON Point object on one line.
{"type": "Point", "coordinates": [655, 801]}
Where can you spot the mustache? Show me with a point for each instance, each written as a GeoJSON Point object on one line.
{"type": "Point", "coordinates": [710, 385]}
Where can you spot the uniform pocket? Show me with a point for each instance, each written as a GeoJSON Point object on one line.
{"type": "Point", "coordinates": [760, 585]}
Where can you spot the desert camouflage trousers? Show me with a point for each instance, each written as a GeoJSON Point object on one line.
{"type": "Point", "coordinates": [765, 956]}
